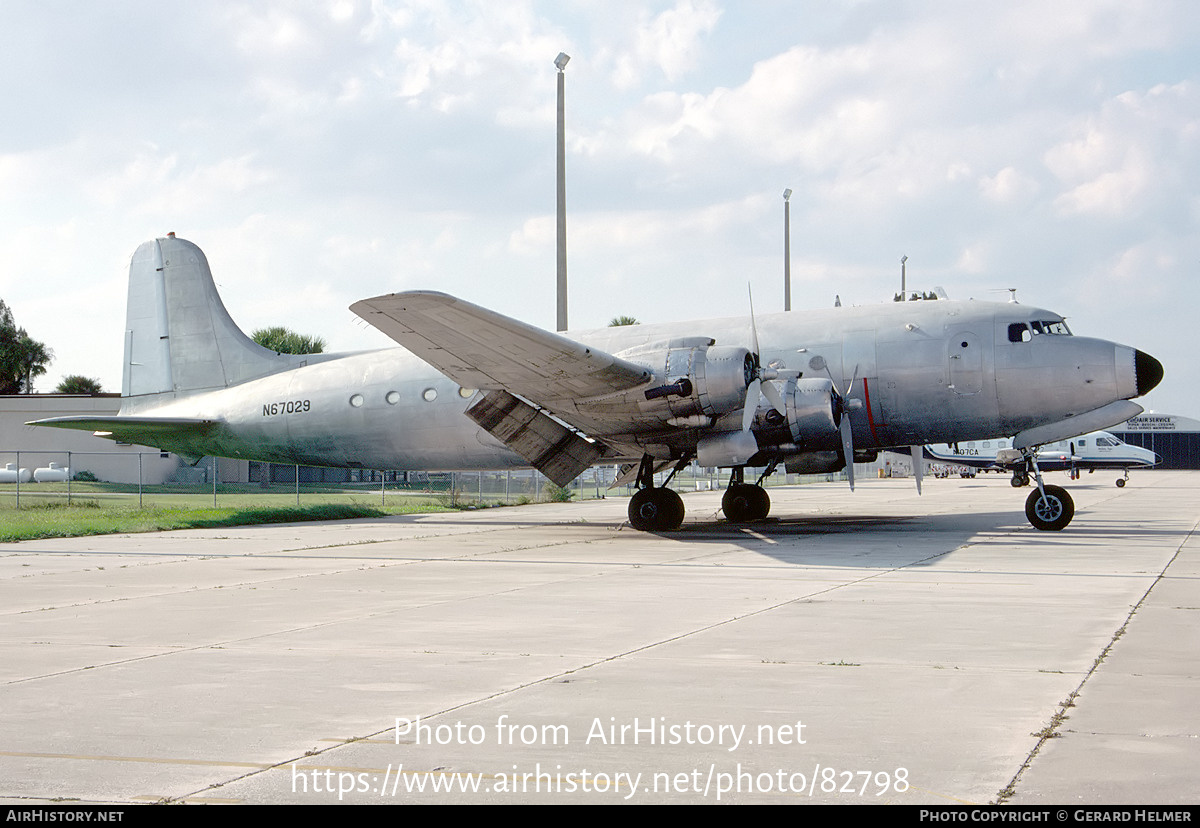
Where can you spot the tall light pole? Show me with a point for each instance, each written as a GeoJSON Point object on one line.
{"type": "Point", "coordinates": [787, 250]}
{"type": "Point", "coordinates": [561, 63]}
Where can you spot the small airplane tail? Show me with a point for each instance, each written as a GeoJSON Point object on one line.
{"type": "Point", "coordinates": [179, 339]}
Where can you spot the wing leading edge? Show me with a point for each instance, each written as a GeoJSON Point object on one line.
{"type": "Point", "coordinates": [479, 348]}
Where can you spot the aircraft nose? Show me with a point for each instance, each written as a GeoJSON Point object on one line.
{"type": "Point", "coordinates": [1149, 372]}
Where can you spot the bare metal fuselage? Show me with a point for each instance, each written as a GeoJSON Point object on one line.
{"type": "Point", "coordinates": [925, 372]}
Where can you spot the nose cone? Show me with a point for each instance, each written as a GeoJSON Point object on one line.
{"type": "Point", "coordinates": [1149, 372]}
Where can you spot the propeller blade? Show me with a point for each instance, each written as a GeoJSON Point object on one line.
{"type": "Point", "coordinates": [753, 327]}
{"type": "Point", "coordinates": [848, 447]}
{"type": "Point", "coordinates": [752, 391]}
{"type": "Point", "coordinates": [773, 396]}
{"type": "Point", "coordinates": [918, 462]}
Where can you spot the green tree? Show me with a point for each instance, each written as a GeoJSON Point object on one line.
{"type": "Point", "coordinates": [22, 358]}
{"type": "Point", "coordinates": [620, 321]}
{"type": "Point", "coordinates": [78, 384]}
{"type": "Point", "coordinates": [282, 341]}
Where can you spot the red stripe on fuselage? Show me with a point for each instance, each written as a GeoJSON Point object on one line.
{"type": "Point", "coordinates": [870, 416]}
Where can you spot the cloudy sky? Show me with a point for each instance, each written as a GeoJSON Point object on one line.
{"type": "Point", "coordinates": [323, 152]}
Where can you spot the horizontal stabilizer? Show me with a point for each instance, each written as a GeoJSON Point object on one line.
{"type": "Point", "coordinates": [144, 431]}
{"type": "Point", "coordinates": [549, 446]}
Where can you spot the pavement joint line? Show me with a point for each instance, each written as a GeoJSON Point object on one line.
{"type": "Point", "coordinates": [561, 674]}
{"type": "Point", "coordinates": [154, 760]}
{"type": "Point", "coordinates": [1051, 731]}
{"type": "Point", "coordinates": [624, 567]}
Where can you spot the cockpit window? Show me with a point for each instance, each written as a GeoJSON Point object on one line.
{"type": "Point", "coordinates": [1058, 328]}
{"type": "Point", "coordinates": [1023, 332]}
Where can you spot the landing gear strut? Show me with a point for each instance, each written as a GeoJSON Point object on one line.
{"type": "Point", "coordinates": [654, 508]}
{"type": "Point", "coordinates": [1049, 508]}
{"type": "Point", "coordinates": [744, 502]}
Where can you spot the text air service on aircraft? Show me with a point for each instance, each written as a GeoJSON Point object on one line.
{"type": "Point", "coordinates": [811, 391]}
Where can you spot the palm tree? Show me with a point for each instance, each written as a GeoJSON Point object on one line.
{"type": "Point", "coordinates": [35, 356]}
{"type": "Point", "coordinates": [282, 341]}
{"type": "Point", "coordinates": [620, 321]}
{"type": "Point", "coordinates": [77, 384]}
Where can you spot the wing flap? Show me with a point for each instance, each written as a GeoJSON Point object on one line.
{"type": "Point", "coordinates": [479, 348]}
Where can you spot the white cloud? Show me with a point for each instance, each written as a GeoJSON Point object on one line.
{"type": "Point", "coordinates": [1007, 186]}
{"type": "Point", "coordinates": [669, 42]}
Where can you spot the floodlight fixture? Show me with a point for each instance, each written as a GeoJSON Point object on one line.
{"type": "Point", "coordinates": [561, 60]}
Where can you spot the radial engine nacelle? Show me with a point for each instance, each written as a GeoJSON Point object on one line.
{"type": "Point", "coordinates": [814, 412]}
{"type": "Point", "coordinates": [699, 380]}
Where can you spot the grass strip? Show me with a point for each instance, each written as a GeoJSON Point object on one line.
{"type": "Point", "coordinates": [88, 518]}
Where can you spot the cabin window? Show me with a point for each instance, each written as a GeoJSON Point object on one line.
{"type": "Point", "coordinates": [429, 394]}
{"type": "Point", "coordinates": [466, 393]}
{"type": "Point", "coordinates": [392, 397]}
{"type": "Point", "coordinates": [356, 400]}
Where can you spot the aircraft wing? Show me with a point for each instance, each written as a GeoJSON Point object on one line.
{"type": "Point", "coordinates": [479, 348]}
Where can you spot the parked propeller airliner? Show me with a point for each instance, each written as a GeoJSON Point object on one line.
{"type": "Point", "coordinates": [472, 389]}
{"type": "Point", "coordinates": [1087, 452]}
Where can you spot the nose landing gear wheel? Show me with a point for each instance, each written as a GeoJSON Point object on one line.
{"type": "Point", "coordinates": [1052, 512]}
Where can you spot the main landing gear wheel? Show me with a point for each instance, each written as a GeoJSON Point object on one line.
{"type": "Point", "coordinates": [1120, 482]}
{"type": "Point", "coordinates": [1052, 512]}
{"type": "Point", "coordinates": [743, 502]}
{"type": "Point", "coordinates": [1020, 479]}
{"type": "Point", "coordinates": [656, 509]}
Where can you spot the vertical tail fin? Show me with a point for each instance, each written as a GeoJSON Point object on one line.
{"type": "Point", "coordinates": [179, 338]}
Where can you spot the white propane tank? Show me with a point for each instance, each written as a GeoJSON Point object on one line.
{"type": "Point", "coordinates": [53, 473]}
{"type": "Point", "coordinates": [10, 474]}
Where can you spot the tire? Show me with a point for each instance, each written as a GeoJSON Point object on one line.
{"type": "Point", "coordinates": [738, 503]}
{"type": "Point", "coordinates": [673, 510]}
{"type": "Point", "coordinates": [744, 502]}
{"type": "Point", "coordinates": [762, 504]}
{"type": "Point", "coordinates": [656, 509]}
{"type": "Point", "coordinates": [1020, 479]}
{"type": "Point", "coordinates": [1052, 513]}
{"type": "Point", "coordinates": [1120, 483]}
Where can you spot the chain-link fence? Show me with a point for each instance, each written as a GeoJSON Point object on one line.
{"type": "Point", "coordinates": [31, 478]}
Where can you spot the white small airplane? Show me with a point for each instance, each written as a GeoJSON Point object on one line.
{"type": "Point", "coordinates": [1088, 452]}
{"type": "Point", "coordinates": [813, 391]}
